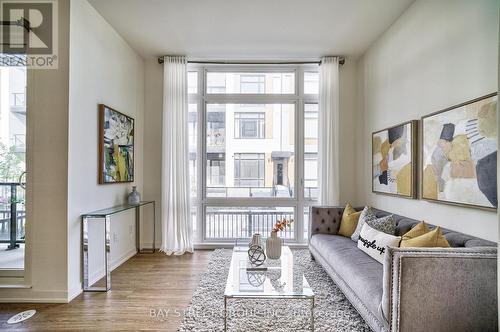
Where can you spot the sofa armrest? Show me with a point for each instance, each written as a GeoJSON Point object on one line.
{"type": "Point", "coordinates": [325, 219]}
{"type": "Point", "coordinates": [440, 289]}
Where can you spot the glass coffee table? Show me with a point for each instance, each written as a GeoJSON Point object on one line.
{"type": "Point", "coordinates": [275, 279]}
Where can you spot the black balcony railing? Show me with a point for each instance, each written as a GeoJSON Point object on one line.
{"type": "Point", "coordinates": [12, 214]}
{"type": "Point", "coordinates": [231, 224]}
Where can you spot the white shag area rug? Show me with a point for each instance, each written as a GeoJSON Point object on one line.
{"type": "Point", "coordinates": [333, 312]}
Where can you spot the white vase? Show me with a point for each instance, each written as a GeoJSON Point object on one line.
{"type": "Point", "coordinates": [134, 197]}
{"type": "Point", "coordinates": [273, 246]}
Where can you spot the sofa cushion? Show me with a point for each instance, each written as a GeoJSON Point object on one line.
{"type": "Point", "coordinates": [374, 242]}
{"type": "Point", "coordinates": [365, 216]}
{"type": "Point", "coordinates": [385, 224]}
{"type": "Point", "coordinates": [349, 221]}
{"type": "Point", "coordinates": [430, 239]}
{"type": "Point", "coordinates": [362, 273]}
{"type": "Point", "coordinates": [417, 230]}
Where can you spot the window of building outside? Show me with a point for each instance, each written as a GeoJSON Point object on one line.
{"type": "Point", "coordinates": [249, 170]}
{"type": "Point", "coordinates": [253, 160]}
{"type": "Point", "coordinates": [215, 170]}
{"type": "Point", "coordinates": [249, 125]}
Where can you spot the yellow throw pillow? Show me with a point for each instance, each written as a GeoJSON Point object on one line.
{"type": "Point", "coordinates": [434, 238]}
{"type": "Point", "coordinates": [349, 221]}
{"type": "Point", "coordinates": [419, 229]}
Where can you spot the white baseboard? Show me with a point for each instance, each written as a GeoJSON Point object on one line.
{"type": "Point", "coordinates": [113, 265]}
{"type": "Point", "coordinates": [32, 296]}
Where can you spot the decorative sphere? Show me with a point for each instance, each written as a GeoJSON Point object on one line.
{"type": "Point", "coordinates": [256, 255]}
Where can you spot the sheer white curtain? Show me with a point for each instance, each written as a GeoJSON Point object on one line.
{"type": "Point", "coordinates": [176, 217]}
{"type": "Point", "coordinates": [329, 131]}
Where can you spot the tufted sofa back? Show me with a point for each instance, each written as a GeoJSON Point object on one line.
{"type": "Point", "coordinates": [326, 220]}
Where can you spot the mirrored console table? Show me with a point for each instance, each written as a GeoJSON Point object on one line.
{"type": "Point", "coordinates": [106, 214]}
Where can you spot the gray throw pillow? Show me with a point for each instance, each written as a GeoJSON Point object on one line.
{"type": "Point", "coordinates": [385, 224]}
{"type": "Point", "coordinates": [366, 215]}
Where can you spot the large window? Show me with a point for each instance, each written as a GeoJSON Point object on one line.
{"type": "Point", "coordinates": [256, 148]}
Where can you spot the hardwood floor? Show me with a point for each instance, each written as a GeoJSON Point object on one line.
{"type": "Point", "coordinates": [142, 284]}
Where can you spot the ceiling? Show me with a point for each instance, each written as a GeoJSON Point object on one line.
{"type": "Point", "coordinates": [250, 29]}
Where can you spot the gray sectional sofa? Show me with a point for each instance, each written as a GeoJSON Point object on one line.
{"type": "Point", "coordinates": [416, 289]}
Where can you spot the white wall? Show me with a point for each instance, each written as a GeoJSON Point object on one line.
{"type": "Point", "coordinates": [437, 54]}
{"type": "Point", "coordinates": [103, 69]}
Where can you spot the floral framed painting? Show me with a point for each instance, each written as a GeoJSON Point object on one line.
{"type": "Point", "coordinates": [116, 146]}
{"type": "Point", "coordinates": [459, 154]}
{"type": "Point", "coordinates": [394, 160]}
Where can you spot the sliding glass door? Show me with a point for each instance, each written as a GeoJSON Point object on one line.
{"type": "Point", "coordinates": [254, 156]}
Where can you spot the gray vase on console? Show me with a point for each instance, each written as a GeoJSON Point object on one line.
{"type": "Point", "coordinates": [134, 197]}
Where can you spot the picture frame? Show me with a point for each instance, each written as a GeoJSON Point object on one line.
{"type": "Point", "coordinates": [116, 146]}
{"type": "Point", "coordinates": [394, 160]}
{"type": "Point", "coordinates": [459, 154]}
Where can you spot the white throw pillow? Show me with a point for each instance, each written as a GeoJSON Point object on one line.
{"type": "Point", "coordinates": [373, 242]}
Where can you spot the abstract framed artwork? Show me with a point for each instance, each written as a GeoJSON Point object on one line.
{"type": "Point", "coordinates": [116, 146]}
{"type": "Point", "coordinates": [394, 160]}
{"type": "Point", "coordinates": [459, 154]}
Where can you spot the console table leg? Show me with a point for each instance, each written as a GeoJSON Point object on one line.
{"type": "Point", "coordinates": [138, 228]}
{"type": "Point", "coordinates": [141, 250]}
{"type": "Point", "coordinates": [154, 226]}
{"type": "Point", "coordinates": [85, 252]}
{"type": "Point", "coordinates": [107, 248]}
